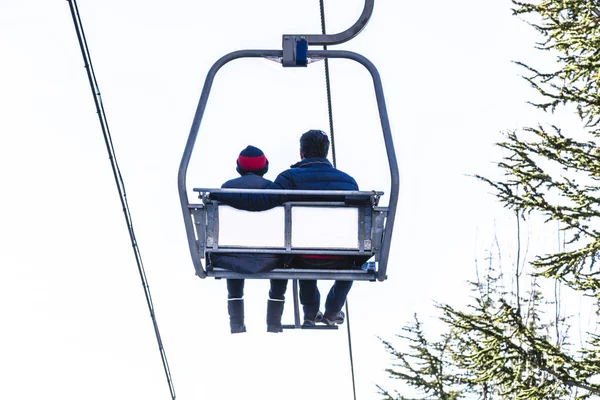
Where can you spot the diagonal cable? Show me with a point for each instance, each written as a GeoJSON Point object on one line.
{"type": "Point", "coordinates": [119, 181]}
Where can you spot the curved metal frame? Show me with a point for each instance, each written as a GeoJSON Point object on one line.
{"type": "Point", "coordinates": [385, 125]}
{"type": "Point", "coordinates": [344, 36]}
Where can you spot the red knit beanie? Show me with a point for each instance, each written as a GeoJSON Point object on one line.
{"type": "Point", "coordinates": [253, 160]}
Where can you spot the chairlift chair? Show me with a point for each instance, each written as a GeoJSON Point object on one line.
{"type": "Point", "coordinates": [367, 230]}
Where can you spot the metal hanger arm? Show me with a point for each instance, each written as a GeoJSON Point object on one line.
{"type": "Point", "coordinates": [344, 36]}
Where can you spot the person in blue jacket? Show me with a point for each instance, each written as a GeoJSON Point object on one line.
{"type": "Point", "coordinates": [312, 172]}
{"type": "Point", "coordinates": [251, 165]}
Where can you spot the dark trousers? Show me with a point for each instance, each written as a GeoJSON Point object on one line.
{"type": "Point", "coordinates": [309, 292]}
{"type": "Point", "coordinates": [311, 298]}
{"type": "Point", "coordinates": [235, 288]}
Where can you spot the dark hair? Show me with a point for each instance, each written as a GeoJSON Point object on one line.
{"type": "Point", "coordinates": [314, 143]}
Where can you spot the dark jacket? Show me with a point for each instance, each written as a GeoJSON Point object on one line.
{"type": "Point", "coordinates": [248, 181]}
{"type": "Point", "coordinates": [308, 174]}
{"type": "Point", "coordinates": [246, 263]}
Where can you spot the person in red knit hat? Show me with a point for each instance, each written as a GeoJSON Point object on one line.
{"type": "Point", "coordinates": [251, 165]}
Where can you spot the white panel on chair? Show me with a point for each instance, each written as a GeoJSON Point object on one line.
{"type": "Point", "coordinates": [251, 229]}
{"type": "Point", "coordinates": [324, 227]}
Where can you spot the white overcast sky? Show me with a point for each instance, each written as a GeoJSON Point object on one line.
{"type": "Point", "coordinates": [74, 319]}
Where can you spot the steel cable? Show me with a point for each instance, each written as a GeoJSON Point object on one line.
{"type": "Point", "coordinates": [333, 157]}
{"type": "Point", "coordinates": [119, 181]}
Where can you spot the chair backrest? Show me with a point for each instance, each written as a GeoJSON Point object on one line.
{"type": "Point", "coordinates": [294, 228]}
{"type": "Point", "coordinates": [353, 227]}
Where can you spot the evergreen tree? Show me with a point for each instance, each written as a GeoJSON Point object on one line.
{"type": "Point", "coordinates": [424, 366]}
{"type": "Point", "coordinates": [550, 171]}
{"type": "Point", "coordinates": [503, 346]}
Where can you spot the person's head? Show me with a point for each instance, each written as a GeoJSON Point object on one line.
{"type": "Point", "coordinates": [252, 160]}
{"type": "Point", "coordinates": [314, 143]}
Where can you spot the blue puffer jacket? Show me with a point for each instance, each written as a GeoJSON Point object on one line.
{"type": "Point", "coordinates": [308, 174]}
{"type": "Point", "coordinates": [246, 263]}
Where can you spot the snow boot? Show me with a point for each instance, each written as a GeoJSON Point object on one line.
{"type": "Point", "coordinates": [274, 312]}
{"type": "Point", "coordinates": [332, 319]}
{"type": "Point", "coordinates": [235, 307]}
{"type": "Point", "coordinates": [311, 319]}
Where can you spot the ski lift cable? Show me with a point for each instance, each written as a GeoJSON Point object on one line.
{"type": "Point", "coordinates": [328, 86]}
{"type": "Point", "coordinates": [333, 157]}
{"type": "Point", "coordinates": [119, 182]}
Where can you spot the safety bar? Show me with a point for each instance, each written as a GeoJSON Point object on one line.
{"type": "Point", "coordinates": [349, 197]}
{"type": "Point", "coordinates": [323, 193]}
{"type": "Point", "coordinates": [387, 136]}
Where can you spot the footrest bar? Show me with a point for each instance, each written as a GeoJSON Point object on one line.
{"type": "Point", "coordinates": [324, 327]}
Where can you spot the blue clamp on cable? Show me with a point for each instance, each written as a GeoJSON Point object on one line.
{"type": "Point", "coordinates": [295, 51]}
{"type": "Point", "coordinates": [301, 53]}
